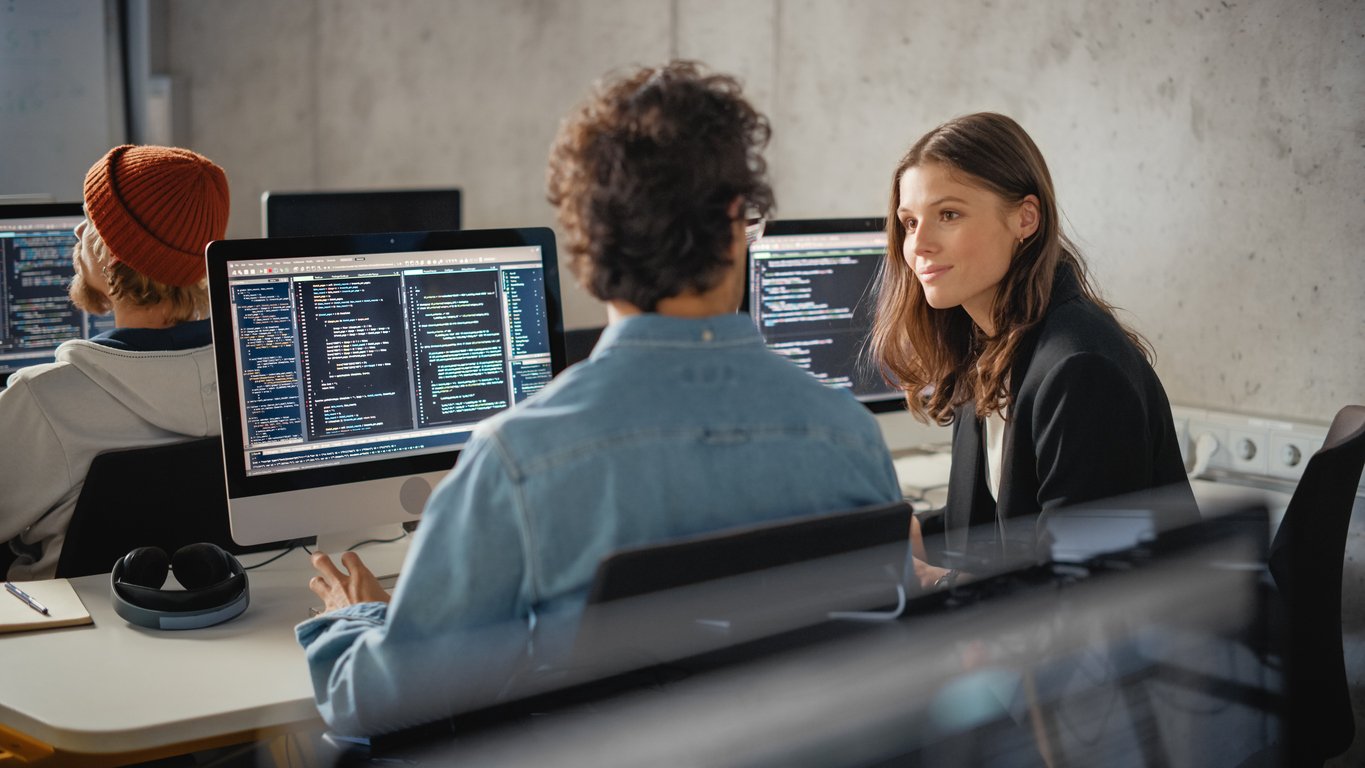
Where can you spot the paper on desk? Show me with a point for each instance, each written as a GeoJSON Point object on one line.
{"type": "Point", "coordinates": [922, 472]}
{"type": "Point", "coordinates": [57, 595]}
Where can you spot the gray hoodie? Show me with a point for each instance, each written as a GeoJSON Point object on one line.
{"type": "Point", "coordinates": [54, 418]}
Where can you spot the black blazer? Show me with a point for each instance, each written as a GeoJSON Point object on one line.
{"type": "Point", "coordinates": [1088, 420]}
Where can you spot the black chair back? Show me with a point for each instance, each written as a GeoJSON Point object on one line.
{"type": "Point", "coordinates": [686, 597]}
{"type": "Point", "coordinates": [1306, 559]}
{"type": "Point", "coordinates": [163, 496]}
{"type": "Point", "coordinates": [578, 344]}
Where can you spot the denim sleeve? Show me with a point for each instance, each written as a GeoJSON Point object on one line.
{"type": "Point", "coordinates": [454, 634]}
{"type": "Point", "coordinates": [889, 483]}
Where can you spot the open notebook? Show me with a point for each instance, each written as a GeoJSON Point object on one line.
{"type": "Point", "coordinates": [64, 606]}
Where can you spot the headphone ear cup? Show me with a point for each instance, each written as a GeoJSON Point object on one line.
{"type": "Point", "coordinates": [145, 567]}
{"type": "Point", "coordinates": [197, 566]}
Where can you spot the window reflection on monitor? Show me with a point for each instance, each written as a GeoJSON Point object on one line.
{"type": "Point", "coordinates": [812, 293]}
{"type": "Point", "coordinates": [35, 272]}
{"type": "Point", "coordinates": [353, 369]}
{"type": "Point", "coordinates": [307, 214]}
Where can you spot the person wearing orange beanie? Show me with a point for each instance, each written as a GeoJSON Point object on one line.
{"type": "Point", "coordinates": [150, 212]}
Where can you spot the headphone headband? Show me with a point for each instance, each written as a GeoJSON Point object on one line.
{"type": "Point", "coordinates": [205, 606]}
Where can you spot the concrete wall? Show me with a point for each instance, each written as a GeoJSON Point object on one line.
{"type": "Point", "coordinates": [1210, 156]}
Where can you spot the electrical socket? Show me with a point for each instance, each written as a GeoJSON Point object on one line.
{"type": "Point", "coordinates": [1289, 454]}
{"type": "Point", "coordinates": [1247, 451]}
{"type": "Point", "coordinates": [1197, 423]}
{"type": "Point", "coordinates": [1249, 445]}
{"type": "Point", "coordinates": [1221, 459]}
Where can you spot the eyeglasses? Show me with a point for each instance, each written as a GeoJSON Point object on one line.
{"type": "Point", "coordinates": [753, 225]}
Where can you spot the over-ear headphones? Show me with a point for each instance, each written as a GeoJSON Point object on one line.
{"type": "Point", "coordinates": [215, 587]}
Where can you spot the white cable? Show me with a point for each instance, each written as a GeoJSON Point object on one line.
{"type": "Point", "coordinates": [1205, 446]}
{"type": "Point", "coordinates": [890, 615]}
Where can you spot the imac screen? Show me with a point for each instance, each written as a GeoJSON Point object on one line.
{"type": "Point", "coordinates": [306, 214]}
{"type": "Point", "coordinates": [350, 366]}
{"type": "Point", "coordinates": [812, 293]}
{"type": "Point", "coordinates": [35, 313]}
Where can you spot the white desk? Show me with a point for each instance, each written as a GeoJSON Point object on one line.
{"type": "Point", "coordinates": [114, 688]}
{"type": "Point", "coordinates": [902, 431]}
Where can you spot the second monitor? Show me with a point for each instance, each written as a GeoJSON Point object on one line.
{"type": "Point", "coordinates": [36, 315]}
{"type": "Point", "coordinates": [812, 293]}
{"type": "Point", "coordinates": [306, 214]}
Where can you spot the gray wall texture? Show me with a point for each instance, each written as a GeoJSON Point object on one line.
{"type": "Point", "coordinates": [1209, 156]}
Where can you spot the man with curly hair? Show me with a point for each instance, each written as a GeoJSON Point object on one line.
{"type": "Point", "coordinates": [681, 421]}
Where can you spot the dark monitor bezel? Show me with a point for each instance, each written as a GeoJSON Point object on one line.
{"type": "Point", "coordinates": [219, 253]}
{"type": "Point", "coordinates": [39, 210]}
{"type": "Point", "coordinates": [10, 211]}
{"type": "Point", "coordinates": [275, 204]}
{"type": "Point", "coordinates": [893, 401]}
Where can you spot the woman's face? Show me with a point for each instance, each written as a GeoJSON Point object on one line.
{"type": "Point", "coordinates": [959, 238]}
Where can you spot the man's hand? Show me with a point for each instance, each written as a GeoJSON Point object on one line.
{"type": "Point", "coordinates": [338, 589]}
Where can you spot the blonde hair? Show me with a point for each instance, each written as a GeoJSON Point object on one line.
{"type": "Point", "coordinates": [180, 304]}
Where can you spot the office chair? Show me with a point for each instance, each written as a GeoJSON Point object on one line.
{"type": "Point", "coordinates": [1306, 562]}
{"type": "Point", "coordinates": [7, 557]}
{"type": "Point", "coordinates": [662, 602]}
{"type": "Point", "coordinates": [659, 603]}
{"type": "Point", "coordinates": [162, 496]}
{"type": "Point", "coordinates": [1303, 604]}
{"type": "Point", "coordinates": [578, 343]}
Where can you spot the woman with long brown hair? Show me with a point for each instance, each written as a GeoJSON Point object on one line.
{"type": "Point", "coordinates": [989, 321]}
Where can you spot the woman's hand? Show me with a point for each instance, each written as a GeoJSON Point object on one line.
{"type": "Point", "coordinates": [338, 589]}
{"type": "Point", "coordinates": [929, 575]}
{"type": "Point", "coordinates": [916, 539]}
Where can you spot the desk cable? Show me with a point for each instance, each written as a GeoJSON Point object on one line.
{"type": "Point", "coordinates": [298, 544]}
{"type": "Point", "coordinates": [907, 573]}
{"type": "Point", "coordinates": [293, 545]}
{"type": "Point", "coordinates": [360, 544]}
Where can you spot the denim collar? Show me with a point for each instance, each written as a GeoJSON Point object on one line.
{"type": "Point", "coordinates": [654, 330]}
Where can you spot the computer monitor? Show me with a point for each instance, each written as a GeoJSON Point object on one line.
{"type": "Point", "coordinates": [306, 214]}
{"type": "Point", "coordinates": [351, 370]}
{"type": "Point", "coordinates": [812, 292]}
{"type": "Point", "coordinates": [35, 272]}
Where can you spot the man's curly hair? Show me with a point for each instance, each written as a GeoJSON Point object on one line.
{"type": "Point", "coordinates": [643, 176]}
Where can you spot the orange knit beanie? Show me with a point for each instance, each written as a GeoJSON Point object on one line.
{"type": "Point", "coordinates": [157, 208]}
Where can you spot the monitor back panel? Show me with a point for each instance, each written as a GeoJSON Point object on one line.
{"type": "Point", "coordinates": [307, 214]}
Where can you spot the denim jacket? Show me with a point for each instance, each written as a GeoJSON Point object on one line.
{"type": "Point", "coordinates": [672, 427]}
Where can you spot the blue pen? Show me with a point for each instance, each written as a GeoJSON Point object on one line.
{"type": "Point", "coordinates": [22, 595]}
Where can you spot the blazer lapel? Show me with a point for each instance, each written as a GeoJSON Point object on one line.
{"type": "Point", "coordinates": [1064, 288]}
{"type": "Point", "coordinates": [962, 481]}
{"type": "Point", "coordinates": [969, 504]}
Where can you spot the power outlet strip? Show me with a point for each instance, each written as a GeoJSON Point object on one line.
{"type": "Point", "coordinates": [1220, 442]}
